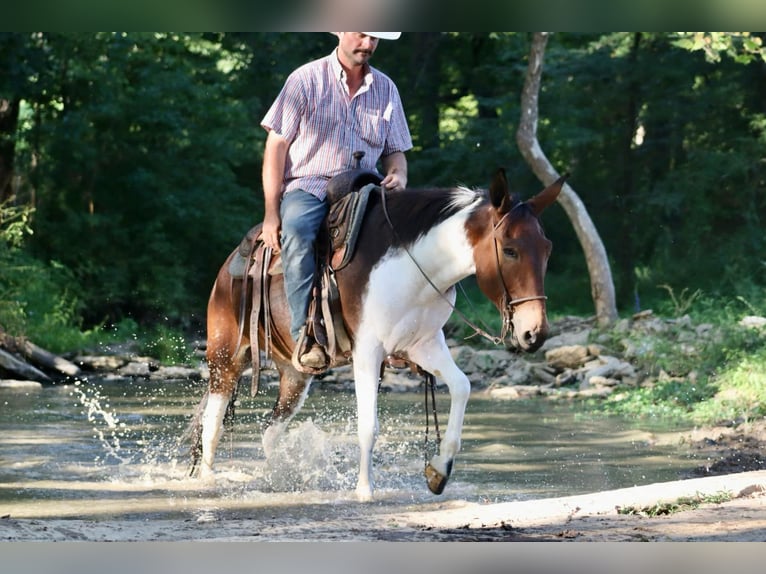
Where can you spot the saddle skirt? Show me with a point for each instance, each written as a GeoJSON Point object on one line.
{"type": "Point", "coordinates": [324, 323]}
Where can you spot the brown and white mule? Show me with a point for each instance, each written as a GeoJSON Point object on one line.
{"type": "Point", "coordinates": [396, 295]}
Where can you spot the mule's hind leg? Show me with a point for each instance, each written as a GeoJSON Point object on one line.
{"type": "Point", "coordinates": [293, 390]}
{"type": "Point", "coordinates": [435, 358]}
{"type": "Point", "coordinates": [225, 370]}
{"type": "Point", "coordinates": [212, 429]}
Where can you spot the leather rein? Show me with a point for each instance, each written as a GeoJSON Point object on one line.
{"type": "Point", "coordinates": [508, 301]}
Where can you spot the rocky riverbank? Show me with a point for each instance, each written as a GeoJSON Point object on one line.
{"type": "Point", "coordinates": [578, 361]}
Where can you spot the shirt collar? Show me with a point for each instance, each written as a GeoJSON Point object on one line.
{"type": "Point", "coordinates": [340, 74]}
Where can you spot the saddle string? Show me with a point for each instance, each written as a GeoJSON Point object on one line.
{"type": "Point", "coordinates": [508, 302]}
{"type": "Point", "coordinates": [429, 381]}
{"type": "Point", "coordinates": [268, 252]}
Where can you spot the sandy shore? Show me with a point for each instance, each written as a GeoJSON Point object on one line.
{"type": "Point", "coordinates": [590, 517]}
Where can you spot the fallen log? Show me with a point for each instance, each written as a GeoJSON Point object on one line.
{"type": "Point", "coordinates": [21, 369]}
{"type": "Point", "coordinates": [39, 356]}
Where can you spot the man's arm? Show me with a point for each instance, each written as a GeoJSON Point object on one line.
{"type": "Point", "coordinates": [274, 156]}
{"type": "Point", "coordinates": [395, 168]}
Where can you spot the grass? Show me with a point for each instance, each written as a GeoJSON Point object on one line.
{"type": "Point", "coordinates": [680, 505]}
{"type": "Point", "coordinates": [740, 390]}
{"type": "Point", "coordinates": [710, 375]}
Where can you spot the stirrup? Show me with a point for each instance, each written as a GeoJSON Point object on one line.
{"type": "Point", "coordinates": [302, 348]}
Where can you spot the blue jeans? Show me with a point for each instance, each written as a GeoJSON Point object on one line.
{"type": "Point", "coordinates": [302, 215]}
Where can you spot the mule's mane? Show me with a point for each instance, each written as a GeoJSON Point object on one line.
{"type": "Point", "coordinates": [414, 212]}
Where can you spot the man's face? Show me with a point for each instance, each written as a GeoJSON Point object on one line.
{"type": "Point", "coordinates": [357, 48]}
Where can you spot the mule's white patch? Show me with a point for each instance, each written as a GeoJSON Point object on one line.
{"type": "Point", "coordinates": [400, 306]}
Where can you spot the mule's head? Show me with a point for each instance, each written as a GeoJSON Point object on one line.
{"type": "Point", "coordinates": [511, 261]}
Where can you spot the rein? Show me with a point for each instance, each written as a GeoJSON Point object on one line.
{"type": "Point", "coordinates": [508, 302]}
{"type": "Point", "coordinates": [429, 381]}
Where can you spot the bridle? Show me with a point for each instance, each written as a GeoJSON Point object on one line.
{"type": "Point", "coordinates": [508, 302]}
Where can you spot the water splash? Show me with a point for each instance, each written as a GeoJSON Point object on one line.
{"type": "Point", "coordinates": [305, 457]}
{"type": "Point", "coordinates": [107, 427]}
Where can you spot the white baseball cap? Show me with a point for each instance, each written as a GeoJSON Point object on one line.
{"type": "Point", "coordinates": [381, 35]}
{"type": "Point", "coordinates": [384, 35]}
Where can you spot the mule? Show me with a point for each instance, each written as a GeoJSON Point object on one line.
{"type": "Point", "coordinates": [396, 293]}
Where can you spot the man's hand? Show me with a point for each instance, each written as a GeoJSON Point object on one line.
{"type": "Point", "coordinates": [394, 182]}
{"type": "Point", "coordinates": [270, 231]}
{"type": "Point", "coordinates": [395, 166]}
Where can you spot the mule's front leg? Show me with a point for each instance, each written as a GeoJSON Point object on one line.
{"type": "Point", "coordinates": [366, 386]}
{"type": "Point", "coordinates": [438, 361]}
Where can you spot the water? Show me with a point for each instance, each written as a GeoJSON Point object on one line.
{"type": "Point", "coordinates": [104, 448]}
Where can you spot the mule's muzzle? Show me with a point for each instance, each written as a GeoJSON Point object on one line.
{"type": "Point", "coordinates": [531, 340]}
{"type": "Point", "coordinates": [525, 325]}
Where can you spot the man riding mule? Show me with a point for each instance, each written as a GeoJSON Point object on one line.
{"type": "Point", "coordinates": [327, 109]}
{"type": "Point", "coordinates": [395, 293]}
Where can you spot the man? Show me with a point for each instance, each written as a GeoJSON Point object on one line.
{"type": "Point", "coordinates": [327, 110]}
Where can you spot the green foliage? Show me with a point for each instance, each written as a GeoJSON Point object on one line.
{"type": "Point", "coordinates": [684, 503]}
{"type": "Point", "coordinates": [714, 377]}
{"type": "Point", "coordinates": [167, 345]}
{"type": "Point", "coordinates": [39, 301]}
{"type": "Point", "coordinates": [147, 198]}
{"type": "Point", "coordinates": [741, 394]}
{"type": "Point", "coordinates": [140, 155]}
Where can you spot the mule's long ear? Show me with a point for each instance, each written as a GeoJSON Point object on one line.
{"type": "Point", "coordinates": [547, 196]}
{"type": "Point", "coordinates": [499, 193]}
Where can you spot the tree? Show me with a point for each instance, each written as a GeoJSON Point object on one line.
{"type": "Point", "coordinates": [602, 287]}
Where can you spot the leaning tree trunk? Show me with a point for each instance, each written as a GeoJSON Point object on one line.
{"type": "Point", "coordinates": [602, 286]}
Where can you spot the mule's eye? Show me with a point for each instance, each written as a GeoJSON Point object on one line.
{"type": "Point", "coordinates": [510, 253]}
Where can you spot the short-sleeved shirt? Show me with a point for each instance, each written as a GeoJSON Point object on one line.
{"type": "Point", "coordinates": [313, 112]}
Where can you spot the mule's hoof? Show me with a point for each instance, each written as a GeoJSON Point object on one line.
{"type": "Point", "coordinates": [364, 493]}
{"type": "Point", "coordinates": [436, 480]}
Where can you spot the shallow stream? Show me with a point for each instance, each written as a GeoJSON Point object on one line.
{"type": "Point", "coordinates": [104, 449]}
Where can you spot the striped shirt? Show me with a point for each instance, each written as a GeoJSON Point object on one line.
{"type": "Point", "coordinates": [313, 112]}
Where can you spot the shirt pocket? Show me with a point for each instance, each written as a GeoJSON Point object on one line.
{"type": "Point", "coordinates": [373, 128]}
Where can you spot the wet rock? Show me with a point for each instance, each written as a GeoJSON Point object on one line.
{"type": "Point", "coordinates": [568, 356]}
{"type": "Point", "coordinates": [100, 362]}
{"type": "Point", "coordinates": [20, 385]}
{"type": "Point", "coordinates": [543, 374]}
{"type": "Point", "coordinates": [599, 381]}
{"type": "Point", "coordinates": [594, 392]}
{"type": "Point", "coordinates": [491, 361]}
{"type": "Point", "coordinates": [504, 392]}
{"type": "Point", "coordinates": [753, 322]}
{"type": "Point", "coordinates": [608, 367]}
{"type": "Point", "coordinates": [139, 369]}
{"type": "Point", "coordinates": [567, 339]}
{"type": "Point", "coordinates": [400, 381]}
{"type": "Point", "coordinates": [177, 373]}
{"type": "Point", "coordinates": [705, 329]}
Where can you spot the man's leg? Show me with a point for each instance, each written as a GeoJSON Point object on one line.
{"type": "Point", "coordinates": [302, 215]}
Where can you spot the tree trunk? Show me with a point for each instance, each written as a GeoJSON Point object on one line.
{"type": "Point", "coordinates": [38, 355]}
{"type": "Point", "coordinates": [9, 117]}
{"type": "Point", "coordinates": [16, 354]}
{"type": "Point", "coordinates": [21, 369]}
{"type": "Point", "coordinates": [602, 286]}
